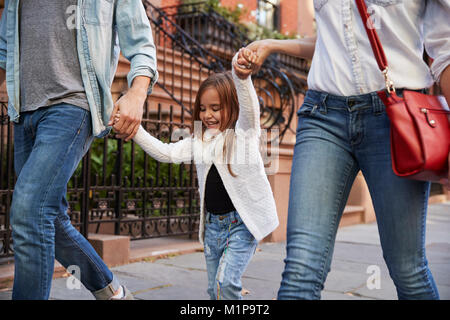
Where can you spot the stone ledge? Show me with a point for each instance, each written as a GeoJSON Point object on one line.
{"type": "Point", "coordinates": [439, 198]}
{"type": "Point", "coordinates": [114, 250]}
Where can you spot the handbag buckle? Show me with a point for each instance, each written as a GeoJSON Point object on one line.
{"type": "Point", "coordinates": [389, 83]}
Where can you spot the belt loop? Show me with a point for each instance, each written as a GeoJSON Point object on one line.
{"type": "Point", "coordinates": [207, 217]}
{"type": "Point", "coordinates": [323, 103]}
{"type": "Point", "coordinates": [377, 104]}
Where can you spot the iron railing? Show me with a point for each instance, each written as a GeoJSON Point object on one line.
{"type": "Point", "coordinates": [7, 179]}
{"type": "Point", "coordinates": [216, 33]}
{"type": "Point", "coordinates": [117, 188]}
{"type": "Point", "coordinates": [197, 31]}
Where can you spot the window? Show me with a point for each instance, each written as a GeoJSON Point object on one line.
{"type": "Point", "coordinates": [268, 14]}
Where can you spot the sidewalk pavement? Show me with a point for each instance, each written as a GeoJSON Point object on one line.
{"type": "Point", "coordinates": [183, 277]}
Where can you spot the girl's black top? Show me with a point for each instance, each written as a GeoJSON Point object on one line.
{"type": "Point", "coordinates": [217, 200]}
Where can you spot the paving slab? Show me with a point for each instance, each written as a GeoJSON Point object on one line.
{"type": "Point", "coordinates": [183, 276]}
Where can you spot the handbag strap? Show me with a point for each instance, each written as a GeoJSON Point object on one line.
{"type": "Point", "coordinates": [375, 43]}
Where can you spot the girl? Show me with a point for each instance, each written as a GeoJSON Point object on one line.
{"type": "Point", "coordinates": [237, 206]}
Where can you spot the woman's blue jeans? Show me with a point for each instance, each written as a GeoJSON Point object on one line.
{"type": "Point", "coordinates": [336, 138]}
{"type": "Point", "coordinates": [229, 247]}
{"type": "Point", "coordinates": [48, 145]}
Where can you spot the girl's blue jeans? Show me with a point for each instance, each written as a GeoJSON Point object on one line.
{"type": "Point", "coordinates": [48, 145]}
{"type": "Point", "coordinates": [336, 138]}
{"type": "Point", "coordinates": [229, 246]}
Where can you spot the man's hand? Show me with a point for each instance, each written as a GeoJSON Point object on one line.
{"type": "Point", "coordinates": [129, 108]}
{"type": "Point", "coordinates": [244, 63]}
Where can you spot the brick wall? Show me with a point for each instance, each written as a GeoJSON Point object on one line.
{"type": "Point", "coordinates": [289, 16]}
{"type": "Point", "coordinates": [296, 16]}
{"type": "Point", "coordinates": [248, 5]}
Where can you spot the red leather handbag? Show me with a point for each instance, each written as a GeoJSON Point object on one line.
{"type": "Point", "coordinates": [420, 126]}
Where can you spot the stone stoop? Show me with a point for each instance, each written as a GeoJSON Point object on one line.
{"type": "Point", "coordinates": [439, 198]}
{"type": "Point", "coordinates": [352, 215]}
{"type": "Point", "coordinates": [118, 250]}
{"type": "Point", "coordinates": [114, 250]}
{"type": "Point", "coordinates": [174, 74]}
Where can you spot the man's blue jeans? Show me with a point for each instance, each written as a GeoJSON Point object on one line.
{"type": "Point", "coordinates": [229, 247]}
{"type": "Point", "coordinates": [48, 145]}
{"type": "Point", "coordinates": [337, 137]}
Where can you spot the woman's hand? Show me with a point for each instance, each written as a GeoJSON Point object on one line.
{"type": "Point", "coordinates": [302, 48]}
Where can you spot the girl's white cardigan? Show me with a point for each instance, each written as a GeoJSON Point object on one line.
{"type": "Point", "coordinates": [249, 191]}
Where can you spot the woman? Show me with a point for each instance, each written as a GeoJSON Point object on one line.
{"type": "Point", "coordinates": [343, 128]}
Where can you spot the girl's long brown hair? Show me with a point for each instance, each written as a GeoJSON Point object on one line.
{"type": "Point", "coordinates": [229, 112]}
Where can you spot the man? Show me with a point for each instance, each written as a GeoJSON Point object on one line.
{"type": "Point", "coordinates": [60, 58]}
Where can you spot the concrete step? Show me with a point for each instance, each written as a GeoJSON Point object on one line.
{"type": "Point", "coordinates": [185, 77]}
{"type": "Point", "coordinates": [159, 95]}
{"type": "Point", "coordinates": [181, 84]}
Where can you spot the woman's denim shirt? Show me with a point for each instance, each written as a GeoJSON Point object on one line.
{"type": "Point", "coordinates": [104, 29]}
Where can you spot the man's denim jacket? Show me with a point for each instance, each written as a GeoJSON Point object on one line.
{"type": "Point", "coordinates": [104, 29]}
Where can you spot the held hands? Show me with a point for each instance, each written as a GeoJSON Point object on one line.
{"type": "Point", "coordinates": [127, 113]}
{"type": "Point", "coordinates": [243, 65]}
{"type": "Point", "coordinates": [116, 118]}
{"type": "Point", "coordinates": [251, 58]}
{"type": "Point", "coordinates": [262, 49]}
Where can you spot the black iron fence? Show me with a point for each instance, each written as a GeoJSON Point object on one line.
{"type": "Point", "coordinates": [7, 179]}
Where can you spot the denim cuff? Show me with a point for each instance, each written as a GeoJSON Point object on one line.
{"type": "Point", "coordinates": [109, 291]}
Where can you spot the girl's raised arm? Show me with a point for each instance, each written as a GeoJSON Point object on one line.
{"type": "Point", "coordinates": [175, 152]}
{"type": "Point", "coordinates": [249, 112]}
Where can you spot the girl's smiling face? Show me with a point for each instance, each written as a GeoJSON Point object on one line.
{"type": "Point", "coordinates": [216, 104]}
{"type": "Point", "coordinates": [210, 109]}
